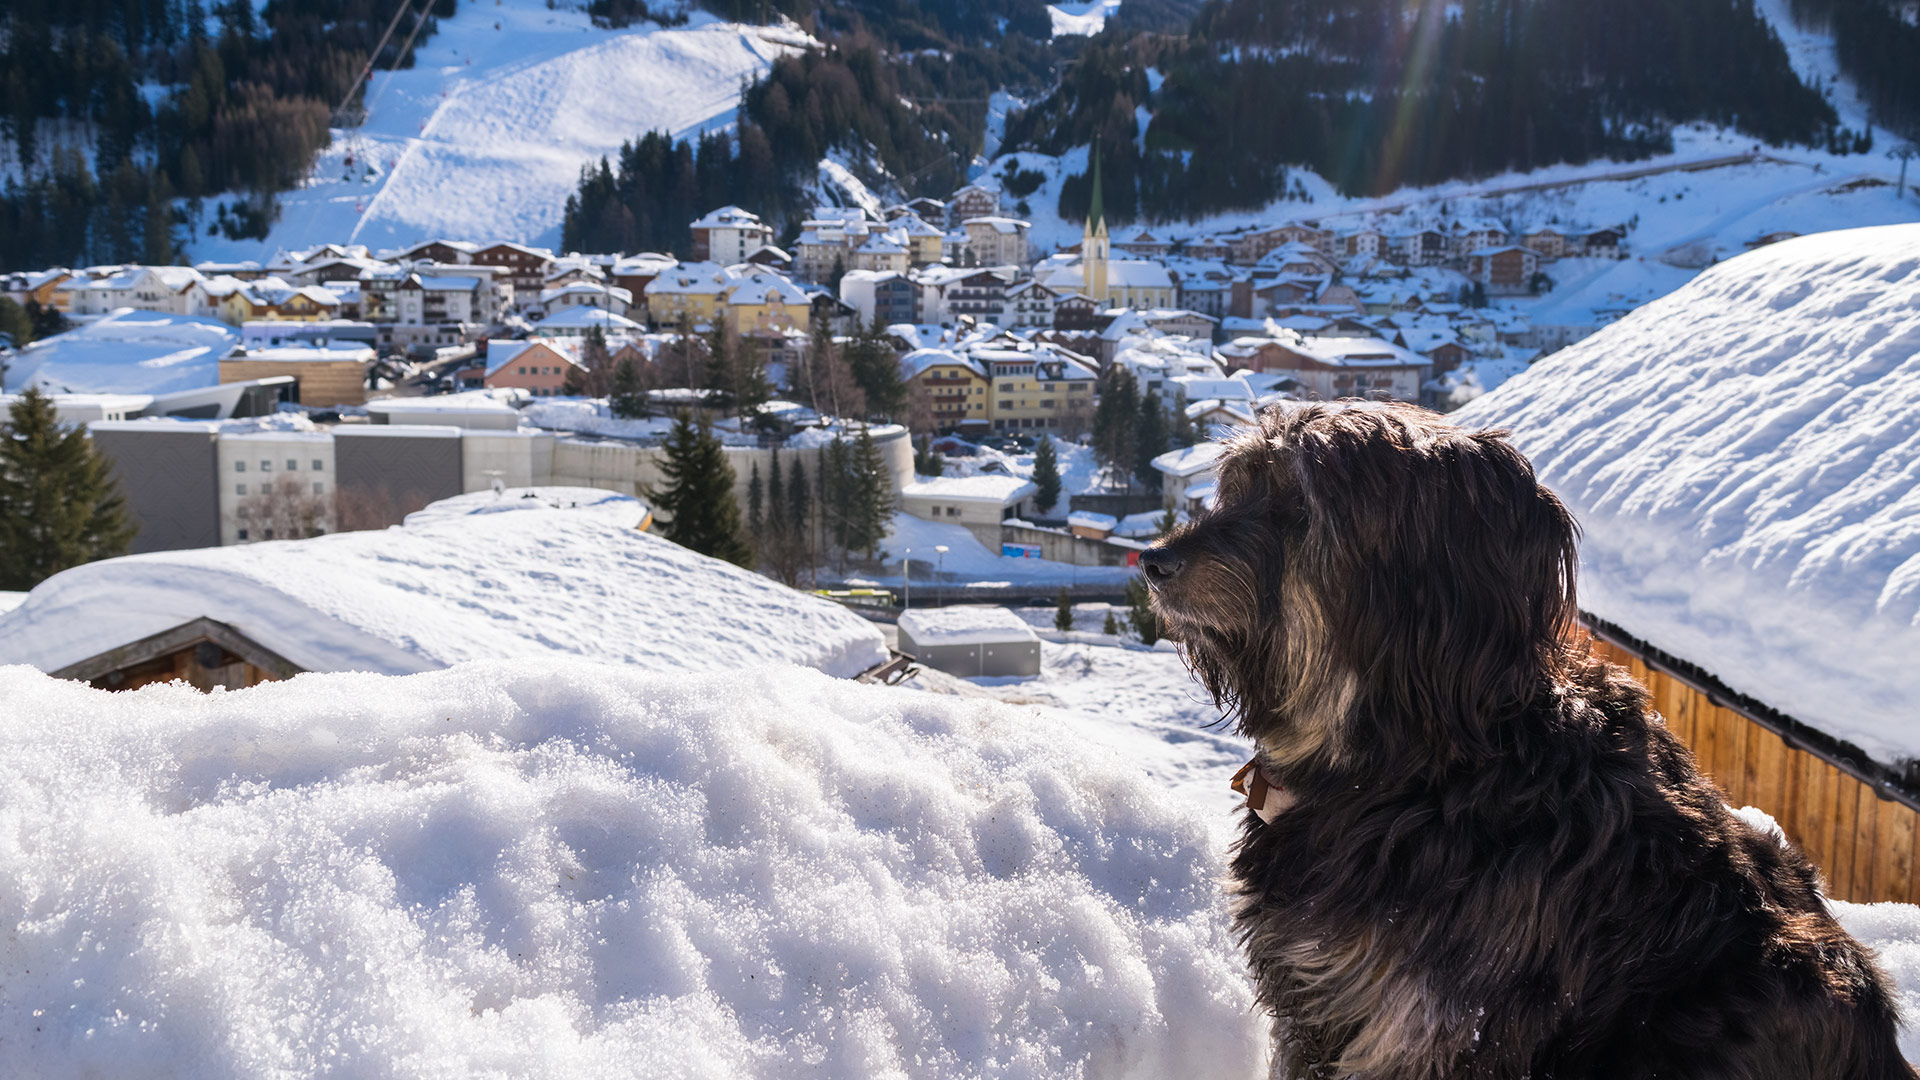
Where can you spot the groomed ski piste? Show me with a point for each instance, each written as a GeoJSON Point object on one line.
{"type": "Point", "coordinates": [484, 136]}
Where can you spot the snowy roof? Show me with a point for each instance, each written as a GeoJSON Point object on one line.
{"type": "Point", "coordinates": [1742, 457]}
{"type": "Point", "coordinates": [1355, 352]}
{"type": "Point", "coordinates": [765, 289]}
{"type": "Point", "coordinates": [1191, 460]}
{"type": "Point", "coordinates": [581, 316]}
{"type": "Point", "coordinates": [965, 625]}
{"type": "Point", "coordinates": [729, 217]}
{"type": "Point", "coordinates": [127, 352]}
{"type": "Point", "coordinates": [1087, 519]}
{"type": "Point", "coordinates": [586, 288]}
{"type": "Point", "coordinates": [562, 572]}
{"type": "Point", "coordinates": [999, 490]}
{"type": "Point", "coordinates": [919, 360]}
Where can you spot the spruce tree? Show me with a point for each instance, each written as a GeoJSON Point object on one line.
{"type": "Point", "coordinates": [721, 376]}
{"type": "Point", "coordinates": [1111, 627]}
{"type": "Point", "coordinates": [15, 323]}
{"type": "Point", "coordinates": [800, 516]}
{"type": "Point", "coordinates": [628, 401]}
{"type": "Point", "coordinates": [875, 370]}
{"type": "Point", "coordinates": [698, 497]}
{"type": "Point", "coordinates": [1114, 420]}
{"type": "Point", "coordinates": [1140, 611]}
{"type": "Point", "coordinates": [872, 497]}
{"type": "Point", "coordinates": [1150, 440]}
{"type": "Point", "coordinates": [1046, 475]}
{"type": "Point", "coordinates": [1063, 612]}
{"type": "Point", "coordinates": [756, 508]}
{"type": "Point", "coordinates": [59, 503]}
{"type": "Point", "coordinates": [1184, 434]}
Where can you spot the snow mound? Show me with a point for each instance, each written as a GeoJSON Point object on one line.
{"type": "Point", "coordinates": [127, 352]}
{"type": "Point", "coordinates": [470, 578]}
{"type": "Point", "coordinates": [1744, 456]}
{"type": "Point", "coordinates": [551, 869]}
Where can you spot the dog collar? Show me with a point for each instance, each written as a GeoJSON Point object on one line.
{"type": "Point", "coordinates": [1264, 797]}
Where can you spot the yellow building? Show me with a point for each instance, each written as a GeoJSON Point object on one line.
{"type": "Point", "coordinates": [765, 303]}
{"type": "Point", "coordinates": [693, 291]}
{"type": "Point", "coordinates": [1043, 391]}
{"type": "Point", "coordinates": [948, 390]}
{"type": "Point", "coordinates": [280, 302]}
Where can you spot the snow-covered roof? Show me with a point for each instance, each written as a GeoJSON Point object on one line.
{"type": "Point", "coordinates": [127, 352]}
{"type": "Point", "coordinates": [582, 316]}
{"type": "Point", "coordinates": [729, 217]}
{"type": "Point", "coordinates": [1087, 519]}
{"type": "Point", "coordinates": [1191, 460]}
{"type": "Point", "coordinates": [586, 288]}
{"type": "Point", "coordinates": [919, 360]}
{"type": "Point", "coordinates": [1742, 456]}
{"type": "Point", "coordinates": [998, 490]}
{"type": "Point", "coordinates": [560, 572]}
{"type": "Point", "coordinates": [966, 625]}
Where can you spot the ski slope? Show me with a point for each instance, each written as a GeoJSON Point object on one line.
{"type": "Point", "coordinates": [484, 137]}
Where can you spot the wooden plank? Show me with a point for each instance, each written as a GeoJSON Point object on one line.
{"type": "Point", "coordinates": [1730, 749]}
{"type": "Point", "coordinates": [1846, 810]}
{"type": "Point", "coordinates": [1896, 845]}
{"type": "Point", "coordinates": [1763, 765]}
{"type": "Point", "coordinates": [1705, 738]}
{"type": "Point", "coordinates": [1816, 816]}
{"type": "Point", "coordinates": [1866, 850]}
{"type": "Point", "coordinates": [1793, 796]}
{"type": "Point", "coordinates": [1674, 706]}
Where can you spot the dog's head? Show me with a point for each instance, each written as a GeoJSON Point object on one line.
{"type": "Point", "coordinates": [1370, 577]}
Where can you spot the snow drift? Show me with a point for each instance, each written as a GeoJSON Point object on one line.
{"type": "Point", "coordinates": [1744, 456]}
{"type": "Point", "coordinates": [555, 868]}
{"type": "Point", "coordinates": [559, 572]}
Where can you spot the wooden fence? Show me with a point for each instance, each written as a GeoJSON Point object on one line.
{"type": "Point", "coordinates": [1858, 828]}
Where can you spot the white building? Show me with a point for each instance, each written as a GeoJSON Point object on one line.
{"type": "Point", "coordinates": [275, 485]}
{"type": "Point", "coordinates": [728, 235]}
{"type": "Point", "coordinates": [977, 503]}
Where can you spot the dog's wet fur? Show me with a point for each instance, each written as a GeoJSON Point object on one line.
{"type": "Point", "coordinates": [1500, 862]}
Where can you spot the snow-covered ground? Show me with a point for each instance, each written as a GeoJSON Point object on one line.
{"type": "Point", "coordinates": [128, 352]}
{"type": "Point", "coordinates": [550, 868]}
{"type": "Point", "coordinates": [1082, 17]}
{"type": "Point", "coordinates": [484, 137]}
{"type": "Point", "coordinates": [562, 572]}
{"type": "Point", "coordinates": [1744, 456]}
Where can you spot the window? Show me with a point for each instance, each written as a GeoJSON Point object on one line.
{"type": "Point", "coordinates": [267, 534]}
{"type": "Point", "coordinates": [953, 511]}
{"type": "Point", "coordinates": [319, 488]}
{"type": "Point", "coordinates": [265, 465]}
{"type": "Point", "coordinates": [243, 534]}
{"type": "Point", "coordinates": [292, 464]}
{"type": "Point", "coordinates": [316, 465]}
{"type": "Point", "coordinates": [239, 466]}
{"type": "Point", "coordinates": [239, 489]}
{"type": "Point", "coordinates": [523, 369]}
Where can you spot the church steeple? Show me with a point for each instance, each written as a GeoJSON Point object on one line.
{"type": "Point", "coordinates": [1093, 243]}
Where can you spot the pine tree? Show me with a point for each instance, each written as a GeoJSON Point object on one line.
{"type": "Point", "coordinates": [1063, 612]}
{"type": "Point", "coordinates": [800, 516]}
{"type": "Point", "coordinates": [1114, 420]}
{"type": "Point", "coordinates": [871, 362]}
{"type": "Point", "coordinates": [756, 508]}
{"type": "Point", "coordinates": [592, 374]}
{"type": "Point", "coordinates": [1150, 440]}
{"type": "Point", "coordinates": [750, 386]}
{"type": "Point", "coordinates": [698, 498]}
{"type": "Point", "coordinates": [1046, 475]}
{"type": "Point", "coordinates": [628, 401]}
{"type": "Point", "coordinates": [721, 376]}
{"type": "Point", "coordinates": [59, 503]}
{"type": "Point", "coordinates": [872, 497]}
{"type": "Point", "coordinates": [1184, 434]}
{"type": "Point", "coordinates": [15, 323]}
{"type": "Point", "coordinates": [1140, 612]}
{"type": "Point", "coordinates": [1111, 627]}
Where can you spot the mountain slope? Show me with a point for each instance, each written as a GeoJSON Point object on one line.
{"type": "Point", "coordinates": [486, 135]}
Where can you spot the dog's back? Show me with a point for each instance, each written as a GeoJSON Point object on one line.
{"type": "Point", "coordinates": [1581, 905]}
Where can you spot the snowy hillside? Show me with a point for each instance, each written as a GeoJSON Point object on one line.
{"type": "Point", "coordinates": [556, 869]}
{"type": "Point", "coordinates": [484, 137]}
{"type": "Point", "coordinates": [1744, 456]}
{"type": "Point", "coordinates": [564, 574]}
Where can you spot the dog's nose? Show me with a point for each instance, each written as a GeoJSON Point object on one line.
{"type": "Point", "coordinates": [1160, 565]}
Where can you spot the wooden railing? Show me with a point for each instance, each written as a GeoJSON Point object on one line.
{"type": "Point", "coordinates": [1851, 819]}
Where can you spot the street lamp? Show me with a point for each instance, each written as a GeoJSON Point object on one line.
{"type": "Point", "coordinates": [906, 565]}
{"type": "Point", "coordinates": [940, 574]}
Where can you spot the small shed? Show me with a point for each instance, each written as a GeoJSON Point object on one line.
{"type": "Point", "coordinates": [971, 641]}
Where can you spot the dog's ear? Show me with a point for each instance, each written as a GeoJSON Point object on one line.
{"type": "Point", "coordinates": [1448, 573]}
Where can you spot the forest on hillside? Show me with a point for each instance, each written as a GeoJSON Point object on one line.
{"type": "Point", "coordinates": [120, 118]}
{"type": "Point", "coordinates": [1374, 95]}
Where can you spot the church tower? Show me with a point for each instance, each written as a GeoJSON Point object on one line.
{"type": "Point", "coordinates": [1093, 242]}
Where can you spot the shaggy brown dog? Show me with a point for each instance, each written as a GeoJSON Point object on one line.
{"type": "Point", "coordinates": [1493, 859]}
